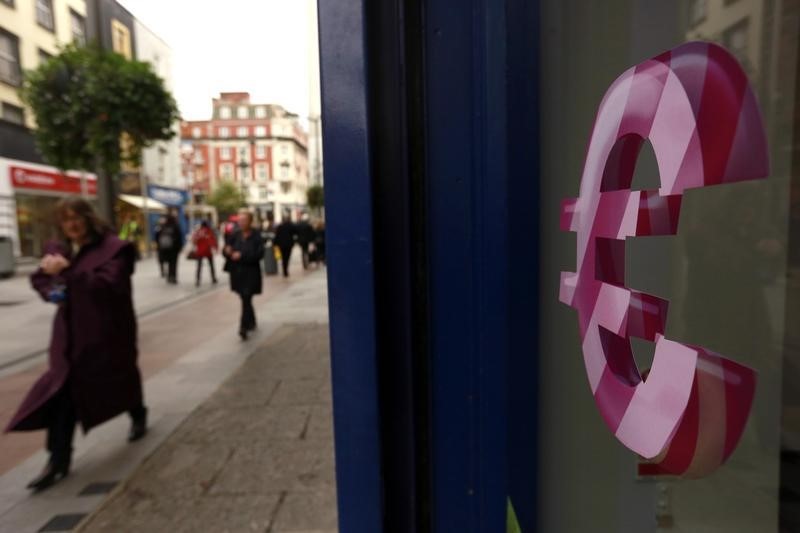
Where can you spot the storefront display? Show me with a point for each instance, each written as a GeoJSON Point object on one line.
{"type": "Point", "coordinates": [724, 265]}
{"type": "Point", "coordinates": [36, 191]}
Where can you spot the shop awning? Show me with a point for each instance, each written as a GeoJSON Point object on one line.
{"type": "Point", "coordinates": [137, 201]}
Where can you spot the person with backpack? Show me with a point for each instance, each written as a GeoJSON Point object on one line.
{"type": "Point", "coordinates": [170, 243]}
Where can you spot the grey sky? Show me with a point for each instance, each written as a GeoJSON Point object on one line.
{"type": "Point", "coordinates": [257, 46]}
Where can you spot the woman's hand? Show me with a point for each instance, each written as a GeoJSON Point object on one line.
{"type": "Point", "coordinates": [53, 264]}
{"type": "Point", "coordinates": [236, 256]}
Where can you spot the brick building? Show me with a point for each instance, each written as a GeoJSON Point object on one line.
{"type": "Point", "coordinates": [260, 147]}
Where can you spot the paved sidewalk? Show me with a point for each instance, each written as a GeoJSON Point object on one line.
{"type": "Point", "coordinates": [187, 352]}
{"type": "Point", "coordinates": [257, 456]}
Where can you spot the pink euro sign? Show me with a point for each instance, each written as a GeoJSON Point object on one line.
{"type": "Point", "coordinates": [695, 106]}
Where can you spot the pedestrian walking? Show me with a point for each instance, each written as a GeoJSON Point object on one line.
{"type": "Point", "coordinates": [205, 245]}
{"type": "Point", "coordinates": [243, 253]}
{"type": "Point", "coordinates": [285, 235]}
{"type": "Point", "coordinates": [319, 242]}
{"type": "Point", "coordinates": [305, 238]}
{"type": "Point", "coordinates": [170, 243]}
{"type": "Point", "coordinates": [92, 374]}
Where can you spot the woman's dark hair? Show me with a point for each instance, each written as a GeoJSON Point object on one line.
{"type": "Point", "coordinates": [95, 226]}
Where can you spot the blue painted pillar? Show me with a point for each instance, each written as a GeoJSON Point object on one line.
{"type": "Point", "coordinates": [430, 121]}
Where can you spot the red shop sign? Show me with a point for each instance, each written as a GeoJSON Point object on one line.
{"type": "Point", "coordinates": [42, 180]}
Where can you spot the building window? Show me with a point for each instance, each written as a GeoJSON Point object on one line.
{"type": "Point", "coordinates": [224, 112]}
{"type": "Point", "coordinates": [243, 112]}
{"type": "Point", "coordinates": [44, 57]}
{"type": "Point", "coordinates": [261, 172]}
{"type": "Point", "coordinates": [284, 149]}
{"type": "Point", "coordinates": [44, 14]}
{"type": "Point", "coordinates": [697, 11]}
{"type": "Point", "coordinates": [262, 193]}
{"type": "Point", "coordinates": [12, 113]}
{"type": "Point", "coordinates": [224, 132]}
{"type": "Point", "coordinates": [78, 24]}
{"type": "Point", "coordinates": [226, 171]}
{"type": "Point", "coordinates": [261, 131]}
{"type": "Point", "coordinates": [242, 131]}
{"type": "Point", "coordinates": [121, 39]}
{"type": "Point", "coordinates": [261, 151]}
{"type": "Point", "coordinates": [261, 112]}
{"type": "Point", "coordinates": [9, 58]}
{"type": "Point", "coordinates": [225, 153]}
{"type": "Point", "coordinates": [196, 132]}
{"type": "Point", "coordinates": [285, 171]}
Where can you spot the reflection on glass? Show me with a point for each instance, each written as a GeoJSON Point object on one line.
{"type": "Point", "coordinates": [732, 274]}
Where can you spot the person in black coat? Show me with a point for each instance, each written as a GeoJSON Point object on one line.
{"type": "Point", "coordinates": [170, 243]}
{"type": "Point", "coordinates": [305, 236]}
{"type": "Point", "coordinates": [284, 239]}
{"type": "Point", "coordinates": [243, 253]}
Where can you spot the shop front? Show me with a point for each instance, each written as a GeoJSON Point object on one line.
{"type": "Point", "coordinates": [36, 189]}
{"type": "Point", "coordinates": [174, 199]}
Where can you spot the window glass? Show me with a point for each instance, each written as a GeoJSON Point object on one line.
{"type": "Point", "coordinates": [44, 14]}
{"type": "Point", "coordinates": [731, 274]}
{"type": "Point", "coordinates": [78, 24]}
{"type": "Point", "coordinates": [13, 113]}
{"type": "Point", "coordinates": [9, 59]}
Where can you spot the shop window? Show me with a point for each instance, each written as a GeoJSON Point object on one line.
{"type": "Point", "coordinates": [78, 26]}
{"type": "Point", "coordinates": [44, 14]}
{"type": "Point", "coordinates": [10, 71]}
{"type": "Point", "coordinates": [12, 113]}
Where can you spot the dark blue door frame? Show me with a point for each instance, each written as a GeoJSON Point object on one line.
{"type": "Point", "coordinates": [430, 113]}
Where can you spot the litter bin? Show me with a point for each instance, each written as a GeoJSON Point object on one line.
{"type": "Point", "coordinates": [7, 264]}
{"type": "Point", "coordinates": [270, 264]}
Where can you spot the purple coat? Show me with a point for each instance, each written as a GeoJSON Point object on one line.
{"type": "Point", "coordinates": [93, 344]}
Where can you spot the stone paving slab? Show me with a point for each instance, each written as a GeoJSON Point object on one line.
{"type": "Point", "coordinates": [256, 456]}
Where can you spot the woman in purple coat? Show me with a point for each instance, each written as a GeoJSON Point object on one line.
{"type": "Point", "coordinates": [92, 375]}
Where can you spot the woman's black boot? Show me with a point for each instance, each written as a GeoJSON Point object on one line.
{"type": "Point", "coordinates": [138, 424]}
{"type": "Point", "coordinates": [55, 471]}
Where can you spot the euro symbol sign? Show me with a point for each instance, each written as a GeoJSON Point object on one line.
{"type": "Point", "coordinates": [695, 106]}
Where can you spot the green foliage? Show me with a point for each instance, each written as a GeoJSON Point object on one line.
{"type": "Point", "coordinates": [227, 198]}
{"type": "Point", "coordinates": [315, 196]}
{"type": "Point", "coordinates": [88, 100]}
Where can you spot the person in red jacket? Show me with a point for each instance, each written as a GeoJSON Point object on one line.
{"type": "Point", "coordinates": [205, 244]}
